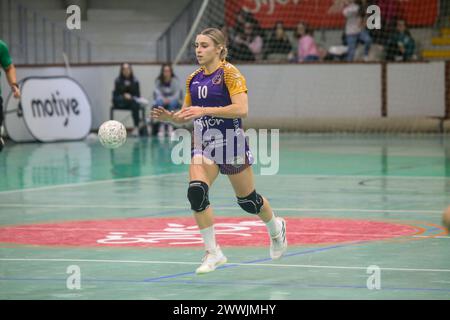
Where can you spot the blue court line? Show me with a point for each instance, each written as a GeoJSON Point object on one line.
{"type": "Point", "coordinates": [234, 283]}
{"type": "Point", "coordinates": [256, 261]}
{"type": "Point", "coordinates": [297, 285]}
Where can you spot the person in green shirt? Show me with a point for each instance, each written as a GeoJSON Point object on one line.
{"type": "Point", "coordinates": [10, 71]}
{"type": "Point", "coordinates": [401, 46]}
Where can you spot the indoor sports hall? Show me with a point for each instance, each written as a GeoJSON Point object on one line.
{"type": "Point", "coordinates": [351, 146]}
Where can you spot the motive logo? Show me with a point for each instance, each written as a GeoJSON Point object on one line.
{"type": "Point", "coordinates": [55, 106]}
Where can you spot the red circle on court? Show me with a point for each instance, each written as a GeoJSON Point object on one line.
{"type": "Point", "coordinates": [176, 232]}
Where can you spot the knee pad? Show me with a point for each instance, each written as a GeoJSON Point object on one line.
{"type": "Point", "coordinates": [198, 195]}
{"type": "Point", "coordinates": [251, 203]}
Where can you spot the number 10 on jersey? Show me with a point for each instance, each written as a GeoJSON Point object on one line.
{"type": "Point", "coordinates": [202, 92]}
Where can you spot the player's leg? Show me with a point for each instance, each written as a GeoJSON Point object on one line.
{"type": "Point", "coordinates": [352, 42]}
{"type": "Point", "coordinates": [253, 203]}
{"type": "Point", "coordinates": [135, 108]}
{"type": "Point", "coordinates": [364, 36]}
{"type": "Point", "coordinates": [202, 173]}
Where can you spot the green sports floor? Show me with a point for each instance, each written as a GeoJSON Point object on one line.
{"type": "Point", "coordinates": [363, 219]}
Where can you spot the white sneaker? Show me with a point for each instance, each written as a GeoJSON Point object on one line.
{"type": "Point", "coordinates": [278, 244]}
{"type": "Point", "coordinates": [211, 261]}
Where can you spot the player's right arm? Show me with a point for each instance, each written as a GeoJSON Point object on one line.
{"type": "Point", "coordinates": [162, 114]}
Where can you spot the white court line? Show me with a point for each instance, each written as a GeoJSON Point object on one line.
{"type": "Point", "coordinates": [231, 264]}
{"type": "Point", "coordinates": [356, 176]}
{"type": "Point", "coordinates": [22, 205]}
{"type": "Point", "coordinates": [437, 237]}
{"type": "Point", "coordinates": [71, 185]}
{"type": "Point", "coordinates": [89, 183]}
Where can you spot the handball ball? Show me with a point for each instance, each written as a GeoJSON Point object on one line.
{"type": "Point", "coordinates": [112, 134]}
{"type": "Point", "coordinates": [446, 218]}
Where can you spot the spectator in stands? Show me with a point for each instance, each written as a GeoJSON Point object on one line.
{"type": "Point", "coordinates": [401, 46]}
{"type": "Point", "coordinates": [278, 42]}
{"type": "Point", "coordinates": [242, 18]}
{"type": "Point", "coordinates": [126, 94]}
{"type": "Point", "coordinates": [390, 13]}
{"type": "Point", "coordinates": [248, 44]}
{"type": "Point", "coordinates": [355, 28]}
{"type": "Point", "coordinates": [168, 94]}
{"type": "Point", "coordinates": [307, 49]}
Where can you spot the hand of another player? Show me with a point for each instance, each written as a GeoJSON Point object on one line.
{"type": "Point", "coordinates": [190, 113]}
{"type": "Point", "coordinates": [16, 92]}
{"type": "Point", "coordinates": [162, 114]}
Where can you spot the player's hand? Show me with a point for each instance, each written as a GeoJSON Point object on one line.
{"type": "Point", "coordinates": [190, 113]}
{"type": "Point", "coordinates": [16, 91]}
{"type": "Point", "coordinates": [161, 114]}
{"type": "Point", "coordinates": [177, 118]}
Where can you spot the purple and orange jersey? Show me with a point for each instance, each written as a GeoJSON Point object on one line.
{"type": "Point", "coordinates": [216, 90]}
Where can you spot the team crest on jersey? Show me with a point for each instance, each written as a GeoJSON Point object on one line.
{"type": "Point", "coordinates": [217, 79]}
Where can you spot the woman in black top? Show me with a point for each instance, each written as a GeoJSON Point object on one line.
{"type": "Point", "coordinates": [278, 42]}
{"type": "Point", "coordinates": [126, 92]}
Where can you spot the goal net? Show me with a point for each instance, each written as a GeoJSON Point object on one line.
{"type": "Point", "coordinates": [375, 92]}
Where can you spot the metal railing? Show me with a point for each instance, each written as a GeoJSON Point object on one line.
{"type": "Point", "coordinates": [34, 39]}
{"type": "Point", "coordinates": [171, 40]}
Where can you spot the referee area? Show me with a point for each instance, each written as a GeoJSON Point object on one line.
{"type": "Point", "coordinates": [353, 203]}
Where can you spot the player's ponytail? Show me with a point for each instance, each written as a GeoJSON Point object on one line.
{"type": "Point", "coordinates": [219, 40]}
{"type": "Point", "coordinates": [223, 53]}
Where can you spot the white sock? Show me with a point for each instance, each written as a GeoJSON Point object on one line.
{"type": "Point", "coordinates": [209, 238]}
{"type": "Point", "coordinates": [273, 226]}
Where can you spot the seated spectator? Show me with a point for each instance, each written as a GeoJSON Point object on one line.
{"type": "Point", "coordinates": [168, 94]}
{"type": "Point", "coordinates": [307, 49]}
{"type": "Point", "coordinates": [278, 42]}
{"type": "Point", "coordinates": [126, 94]}
{"type": "Point", "coordinates": [243, 17]}
{"type": "Point", "coordinates": [391, 11]}
{"type": "Point", "coordinates": [248, 45]}
{"type": "Point", "coordinates": [401, 46]}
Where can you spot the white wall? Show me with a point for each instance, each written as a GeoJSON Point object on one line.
{"type": "Point", "coordinates": [416, 89]}
{"type": "Point", "coordinates": [314, 90]}
{"type": "Point", "coordinates": [297, 91]}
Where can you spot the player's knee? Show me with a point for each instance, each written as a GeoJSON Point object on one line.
{"type": "Point", "coordinates": [251, 203]}
{"type": "Point", "coordinates": [198, 195]}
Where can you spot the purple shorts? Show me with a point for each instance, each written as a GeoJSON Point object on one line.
{"type": "Point", "coordinates": [231, 161]}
